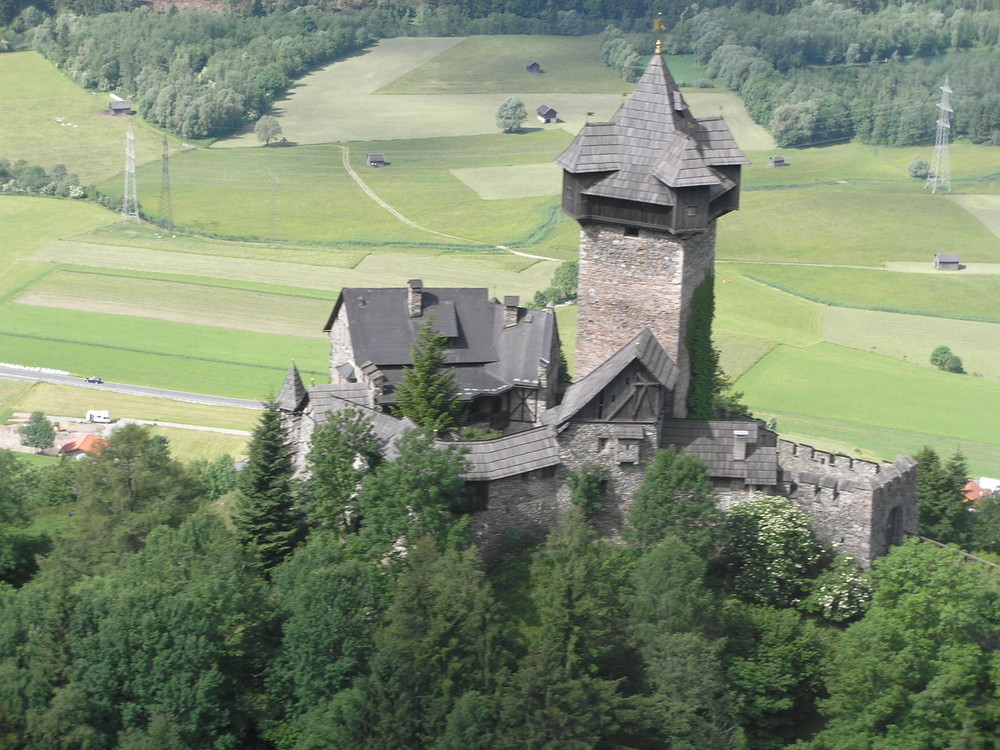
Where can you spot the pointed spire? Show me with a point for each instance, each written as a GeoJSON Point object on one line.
{"type": "Point", "coordinates": [293, 393]}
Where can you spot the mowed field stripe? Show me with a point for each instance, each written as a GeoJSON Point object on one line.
{"type": "Point", "coordinates": [377, 269]}
{"type": "Point", "coordinates": [180, 302]}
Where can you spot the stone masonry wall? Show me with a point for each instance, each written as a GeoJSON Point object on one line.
{"type": "Point", "coordinates": [631, 283]}
{"type": "Point", "coordinates": [850, 502]}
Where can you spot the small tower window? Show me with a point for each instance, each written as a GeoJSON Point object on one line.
{"type": "Point", "coordinates": [631, 231]}
{"type": "Point", "coordinates": [691, 212]}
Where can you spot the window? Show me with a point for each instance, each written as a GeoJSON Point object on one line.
{"type": "Point", "coordinates": [475, 497]}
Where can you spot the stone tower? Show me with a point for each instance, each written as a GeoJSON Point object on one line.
{"type": "Point", "coordinates": [646, 189]}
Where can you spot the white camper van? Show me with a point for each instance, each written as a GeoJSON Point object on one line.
{"type": "Point", "coordinates": [102, 417]}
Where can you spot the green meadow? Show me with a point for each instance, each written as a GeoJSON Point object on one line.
{"type": "Point", "coordinates": [874, 403]}
{"type": "Point", "coordinates": [51, 120]}
{"type": "Point", "coordinates": [267, 236]}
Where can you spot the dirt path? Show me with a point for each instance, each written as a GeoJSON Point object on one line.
{"type": "Point", "coordinates": [346, 158]}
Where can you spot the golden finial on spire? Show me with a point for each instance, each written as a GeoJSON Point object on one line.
{"type": "Point", "coordinates": [659, 47]}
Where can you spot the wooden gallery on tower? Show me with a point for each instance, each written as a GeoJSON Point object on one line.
{"type": "Point", "coordinates": [646, 188]}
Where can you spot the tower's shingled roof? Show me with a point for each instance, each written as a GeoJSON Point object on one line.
{"type": "Point", "coordinates": [653, 144]}
{"type": "Point", "coordinates": [293, 392]}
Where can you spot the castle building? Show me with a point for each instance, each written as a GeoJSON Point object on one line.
{"type": "Point", "coordinates": [646, 188]}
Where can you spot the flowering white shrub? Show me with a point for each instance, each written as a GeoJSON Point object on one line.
{"type": "Point", "coordinates": [840, 594]}
{"type": "Point", "coordinates": [771, 552]}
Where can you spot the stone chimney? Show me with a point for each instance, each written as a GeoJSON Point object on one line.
{"type": "Point", "coordinates": [414, 298]}
{"type": "Point", "coordinates": [510, 311]}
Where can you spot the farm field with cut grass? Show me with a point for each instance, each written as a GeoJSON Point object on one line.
{"type": "Point", "coordinates": [947, 294]}
{"type": "Point", "coordinates": [61, 400]}
{"type": "Point", "coordinates": [838, 386]}
{"type": "Point", "coordinates": [51, 120]}
{"type": "Point", "coordinates": [859, 224]}
{"type": "Point", "coordinates": [912, 338]}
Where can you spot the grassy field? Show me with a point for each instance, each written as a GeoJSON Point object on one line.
{"type": "Point", "coordinates": [942, 294]}
{"type": "Point", "coordinates": [837, 386]}
{"type": "Point", "coordinates": [64, 401]}
{"type": "Point", "coordinates": [861, 224]}
{"type": "Point", "coordinates": [51, 120]}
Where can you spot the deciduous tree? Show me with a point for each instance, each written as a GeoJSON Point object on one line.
{"type": "Point", "coordinates": [676, 498]}
{"type": "Point", "coordinates": [342, 451]}
{"type": "Point", "coordinates": [38, 432]}
{"type": "Point", "coordinates": [511, 115]}
{"type": "Point", "coordinates": [267, 129]}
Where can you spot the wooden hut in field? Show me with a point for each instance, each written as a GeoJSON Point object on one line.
{"type": "Point", "coordinates": [947, 262]}
{"type": "Point", "coordinates": [376, 160]}
{"type": "Point", "coordinates": [546, 114]}
{"type": "Point", "coordinates": [533, 67]}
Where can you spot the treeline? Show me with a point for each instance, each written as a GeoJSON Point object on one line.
{"type": "Point", "coordinates": [351, 611]}
{"type": "Point", "coordinates": [23, 178]}
{"type": "Point", "coordinates": [204, 74]}
{"type": "Point", "coordinates": [827, 72]}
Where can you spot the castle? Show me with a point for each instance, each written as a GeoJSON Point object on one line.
{"type": "Point", "coordinates": [646, 188]}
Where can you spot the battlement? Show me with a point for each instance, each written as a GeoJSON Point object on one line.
{"type": "Point", "coordinates": [860, 507]}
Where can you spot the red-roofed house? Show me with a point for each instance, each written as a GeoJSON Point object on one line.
{"type": "Point", "coordinates": [974, 493]}
{"type": "Point", "coordinates": [87, 445]}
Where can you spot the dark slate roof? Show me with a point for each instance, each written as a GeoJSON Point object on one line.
{"type": "Point", "coordinates": [643, 348]}
{"type": "Point", "coordinates": [383, 332]}
{"type": "Point", "coordinates": [486, 357]}
{"type": "Point", "coordinates": [293, 393]}
{"type": "Point", "coordinates": [652, 145]}
{"type": "Point", "coordinates": [545, 110]}
{"type": "Point", "coordinates": [946, 257]}
{"type": "Point", "coordinates": [326, 400]}
{"type": "Point", "coordinates": [511, 455]}
{"type": "Point", "coordinates": [713, 442]}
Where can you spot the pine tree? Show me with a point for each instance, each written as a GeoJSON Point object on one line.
{"type": "Point", "coordinates": [942, 514]}
{"type": "Point", "coordinates": [428, 393]}
{"type": "Point", "coordinates": [266, 517]}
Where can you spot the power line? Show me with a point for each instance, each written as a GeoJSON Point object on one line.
{"type": "Point", "coordinates": [940, 172]}
{"type": "Point", "coordinates": [130, 203]}
{"type": "Point", "coordinates": [166, 205]}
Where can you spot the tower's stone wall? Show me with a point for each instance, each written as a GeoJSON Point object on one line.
{"type": "Point", "coordinates": [629, 282]}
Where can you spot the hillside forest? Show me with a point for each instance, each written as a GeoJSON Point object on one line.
{"type": "Point", "coordinates": [812, 73]}
{"type": "Point", "coordinates": [195, 607]}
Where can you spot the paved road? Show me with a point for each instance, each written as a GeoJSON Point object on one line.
{"type": "Point", "coordinates": [33, 376]}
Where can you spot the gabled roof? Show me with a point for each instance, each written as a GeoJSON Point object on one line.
{"type": "Point", "coordinates": [653, 145]}
{"type": "Point", "coordinates": [486, 355]}
{"type": "Point", "coordinates": [87, 444]}
{"type": "Point", "coordinates": [327, 400]}
{"type": "Point", "coordinates": [644, 348]}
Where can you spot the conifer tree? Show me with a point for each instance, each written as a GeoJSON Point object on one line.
{"type": "Point", "coordinates": [266, 517]}
{"type": "Point", "coordinates": [428, 393]}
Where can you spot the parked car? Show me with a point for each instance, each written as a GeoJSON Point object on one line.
{"type": "Point", "coordinates": [94, 379]}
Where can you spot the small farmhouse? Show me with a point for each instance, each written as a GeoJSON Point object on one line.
{"type": "Point", "coordinates": [88, 445]}
{"type": "Point", "coordinates": [120, 107]}
{"type": "Point", "coordinates": [546, 114]}
{"type": "Point", "coordinates": [777, 161]}
{"type": "Point", "coordinates": [947, 262]}
{"type": "Point", "coordinates": [533, 67]}
{"type": "Point", "coordinates": [376, 160]}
